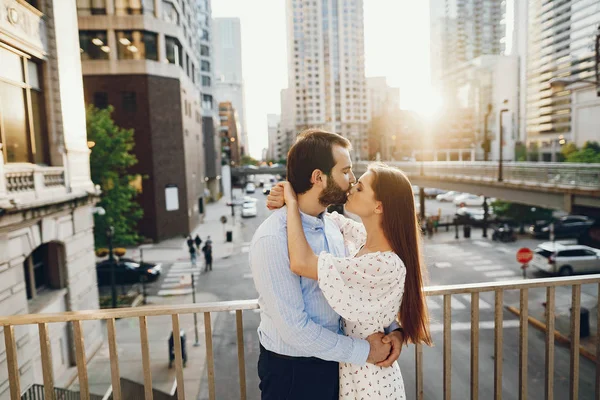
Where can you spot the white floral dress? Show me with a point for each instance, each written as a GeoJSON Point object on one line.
{"type": "Point", "coordinates": [366, 292]}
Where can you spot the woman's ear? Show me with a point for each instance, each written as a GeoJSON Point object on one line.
{"type": "Point", "coordinates": [379, 208]}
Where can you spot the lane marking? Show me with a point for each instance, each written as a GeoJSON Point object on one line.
{"type": "Point", "coordinates": [497, 274]}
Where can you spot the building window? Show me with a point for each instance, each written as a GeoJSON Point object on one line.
{"type": "Point", "coordinates": [134, 7]}
{"type": "Point", "coordinates": [204, 50]}
{"type": "Point", "coordinates": [205, 66]}
{"type": "Point", "coordinates": [170, 13]}
{"type": "Point", "coordinates": [43, 269]}
{"type": "Point", "coordinates": [93, 45]}
{"type": "Point", "coordinates": [173, 50]}
{"type": "Point", "coordinates": [101, 100]}
{"type": "Point", "coordinates": [21, 101]}
{"type": "Point", "coordinates": [91, 7]}
{"type": "Point", "coordinates": [193, 73]}
{"type": "Point", "coordinates": [129, 101]}
{"type": "Point", "coordinates": [207, 101]}
{"type": "Point", "coordinates": [206, 81]}
{"type": "Point", "coordinates": [137, 45]}
{"type": "Point", "coordinates": [205, 35]}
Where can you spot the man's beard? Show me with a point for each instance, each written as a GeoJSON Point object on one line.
{"type": "Point", "coordinates": [332, 194]}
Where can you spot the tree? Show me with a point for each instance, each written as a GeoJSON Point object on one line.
{"type": "Point", "coordinates": [110, 161]}
{"type": "Point", "coordinates": [589, 153]}
{"type": "Point", "coordinates": [521, 213]}
{"type": "Point", "coordinates": [247, 160]}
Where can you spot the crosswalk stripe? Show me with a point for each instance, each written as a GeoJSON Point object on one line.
{"type": "Point", "coordinates": [488, 267]}
{"type": "Point", "coordinates": [482, 244]}
{"type": "Point", "coordinates": [478, 262]}
{"type": "Point", "coordinates": [173, 285]}
{"type": "Point", "coordinates": [506, 278]}
{"type": "Point", "coordinates": [174, 292]}
{"type": "Point", "coordinates": [496, 274]}
{"type": "Point", "coordinates": [184, 271]}
{"type": "Point", "coordinates": [442, 264]}
{"type": "Point", "coordinates": [248, 276]}
{"type": "Point", "coordinates": [483, 305]}
{"type": "Point", "coordinates": [431, 304]}
{"type": "Point", "coordinates": [466, 326]}
{"type": "Point", "coordinates": [505, 250]}
{"type": "Point", "coordinates": [464, 254]}
{"type": "Point", "coordinates": [456, 305]}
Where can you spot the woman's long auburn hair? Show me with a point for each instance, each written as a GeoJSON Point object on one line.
{"type": "Point", "coordinates": [400, 227]}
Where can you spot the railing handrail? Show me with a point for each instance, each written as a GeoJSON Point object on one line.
{"type": "Point", "coordinates": [251, 304]}
{"type": "Point", "coordinates": [11, 168]}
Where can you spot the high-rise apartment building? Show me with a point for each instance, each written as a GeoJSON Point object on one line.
{"type": "Point", "coordinates": [230, 134]}
{"type": "Point", "coordinates": [561, 46]}
{"type": "Point", "coordinates": [210, 115]}
{"type": "Point", "coordinates": [144, 59]}
{"type": "Point", "coordinates": [326, 68]}
{"type": "Point", "coordinates": [229, 81]}
{"type": "Point", "coordinates": [277, 143]}
{"type": "Point", "coordinates": [47, 197]}
{"type": "Point", "coordinates": [288, 120]}
{"type": "Point", "coordinates": [382, 98]}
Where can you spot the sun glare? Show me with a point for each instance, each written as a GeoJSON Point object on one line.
{"type": "Point", "coordinates": [427, 104]}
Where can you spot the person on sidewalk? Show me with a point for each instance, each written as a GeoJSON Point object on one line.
{"type": "Point", "coordinates": [301, 341]}
{"type": "Point", "coordinates": [198, 242]}
{"type": "Point", "coordinates": [193, 255]}
{"type": "Point", "coordinates": [190, 241]}
{"type": "Point", "coordinates": [208, 258]}
{"type": "Point", "coordinates": [208, 240]}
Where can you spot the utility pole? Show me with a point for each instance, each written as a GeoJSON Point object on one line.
{"type": "Point", "coordinates": [501, 144]}
{"type": "Point", "coordinates": [110, 231]}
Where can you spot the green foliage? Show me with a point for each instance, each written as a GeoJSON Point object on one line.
{"type": "Point", "coordinates": [589, 153]}
{"type": "Point", "coordinates": [110, 161]}
{"type": "Point", "coordinates": [521, 213]}
{"type": "Point", "coordinates": [247, 160]}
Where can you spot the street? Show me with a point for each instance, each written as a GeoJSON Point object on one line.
{"type": "Point", "coordinates": [449, 261]}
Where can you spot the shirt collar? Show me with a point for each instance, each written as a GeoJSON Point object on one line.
{"type": "Point", "coordinates": [309, 221]}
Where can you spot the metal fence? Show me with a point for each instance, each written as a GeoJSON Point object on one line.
{"type": "Point", "coordinates": [473, 290]}
{"type": "Point", "coordinates": [36, 392]}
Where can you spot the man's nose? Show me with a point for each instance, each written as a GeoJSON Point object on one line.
{"type": "Point", "coordinates": [352, 178]}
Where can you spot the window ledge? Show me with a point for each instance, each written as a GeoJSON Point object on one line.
{"type": "Point", "coordinates": [46, 301]}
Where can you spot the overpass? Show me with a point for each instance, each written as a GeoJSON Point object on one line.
{"type": "Point", "coordinates": [560, 186]}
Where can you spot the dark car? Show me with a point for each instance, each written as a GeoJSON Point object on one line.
{"type": "Point", "coordinates": [570, 226]}
{"type": "Point", "coordinates": [473, 216]}
{"type": "Point", "coordinates": [127, 271]}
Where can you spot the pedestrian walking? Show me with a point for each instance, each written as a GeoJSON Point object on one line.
{"type": "Point", "coordinates": [207, 249]}
{"type": "Point", "coordinates": [208, 240]}
{"type": "Point", "coordinates": [190, 241]}
{"type": "Point", "coordinates": [198, 242]}
{"type": "Point", "coordinates": [193, 255]}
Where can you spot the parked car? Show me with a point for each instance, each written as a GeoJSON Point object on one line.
{"type": "Point", "coordinates": [250, 187]}
{"type": "Point", "coordinates": [432, 193]}
{"type": "Point", "coordinates": [267, 189]}
{"type": "Point", "coordinates": [249, 209]}
{"type": "Point", "coordinates": [569, 226]}
{"type": "Point", "coordinates": [566, 259]}
{"type": "Point", "coordinates": [504, 233]}
{"type": "Point", "coordinates": [473, 216]}
{"type": "Point", "coordinates": [468, 199]}
{"type": "Point", "coordinates": [127, 271]}
{"type": "Point", "coordinates": [448, 196]}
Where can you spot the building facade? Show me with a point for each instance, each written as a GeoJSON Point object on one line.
{"type": "Point", "coordinates": [229, 81]}
{"type": "Point", "coordinates": [561, 45]}
{"type": "Point", "coordinates": [143, 58]}
{"type": "Point", "coordinates": [47, 198]}
{"type": "Point", "coordinates": [210, 113]}
{"type": "Point", "coordinates": [383, 99]}
{"type": "Point", "coordinates": [326, 68]}
{"type": "Point", "coordinates": [230, 134]}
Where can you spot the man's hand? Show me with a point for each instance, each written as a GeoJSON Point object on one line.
{"type": "Point", "coordinates": [396, 339]}
{"type": "Point", "coordinates": [275, 199]}
{"type": "Point", "coordinates": [379, 351]}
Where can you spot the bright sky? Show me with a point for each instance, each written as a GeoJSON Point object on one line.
{"type": "Point", "coordinates": [396, 46]}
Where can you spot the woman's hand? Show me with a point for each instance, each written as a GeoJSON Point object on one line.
{"type": "Point", "coordinates": [275, 198]}
{"type": "Point", "coordinates": [289, 196]}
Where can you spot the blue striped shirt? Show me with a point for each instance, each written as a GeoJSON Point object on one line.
{"type": "Point", "coordinates": [295, 318]}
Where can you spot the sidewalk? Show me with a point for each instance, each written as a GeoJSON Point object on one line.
{"type": "Point", "coordinates": [159, 328]}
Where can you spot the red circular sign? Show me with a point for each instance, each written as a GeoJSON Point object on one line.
{"type": "Point", "coordinates": [524, 255]}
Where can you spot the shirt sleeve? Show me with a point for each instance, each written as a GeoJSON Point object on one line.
{"type": "Point", "coordinates": [283, 302]}
{"type": "Point", "coordinates": [358, 286]}
{"type": "Point", "coordinates": [353, 232]}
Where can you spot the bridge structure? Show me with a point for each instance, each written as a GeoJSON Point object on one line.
{"type": "Point", "coordinates": [569, 187]}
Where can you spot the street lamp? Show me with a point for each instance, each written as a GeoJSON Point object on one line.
{"type": "Point", "coordinates": [500, 144]}
{"type": "Point", "coordinates": [110, 232]}
{"type": "Point", "coordinates": [486, 143]}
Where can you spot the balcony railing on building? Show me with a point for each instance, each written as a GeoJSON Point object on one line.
{"type": "Point", "coordinates": [30, 181]}
{"type": "Point", "coordinates": [447, 292]}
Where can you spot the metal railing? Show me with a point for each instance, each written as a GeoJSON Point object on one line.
{"type": "Point", "coordinates": [474, 290]}
{"type": "Point", "coordinates": [36, 392]}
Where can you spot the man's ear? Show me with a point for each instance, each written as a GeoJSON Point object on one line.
{"type": "Point", "coordinates": [318, 178]}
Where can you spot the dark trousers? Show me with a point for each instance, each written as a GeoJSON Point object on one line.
{"type": "Point", "coordinates": [297, 378]}
{"type": "Point", "coordinates": [208, 262]}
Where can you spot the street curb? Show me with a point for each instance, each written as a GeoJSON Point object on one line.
{"type": "Point", "coordinates": [559, 337]}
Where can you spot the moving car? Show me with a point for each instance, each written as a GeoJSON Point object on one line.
{"type": "Point", "coordinates": [250, 188]}
{"type": "Point", "coordinates": [448, 196]}
{"type": "Point", "coordinates": [432, 193]}
{"type": "Point", "coordinates": [468, 199]}
{"type": "Point", "coordinates": [566, 259]}
{"type": "Point", "coordinates": [473, 216]}
{"type": "Point", "coordinates": [127, 271]}
{"type": "Point", "coordinates": [249, 209]}
{"type": "Point", "coordinates": [569, 226]}
{"type": "Point", "coordinates": [267, 189]}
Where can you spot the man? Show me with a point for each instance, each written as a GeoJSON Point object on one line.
{"type": "Point", "coordinates": [207, 249]}
{"type": "Point", "coordinates": [299, 333]}
{"type": "Point", "coordinates": [197, 241]}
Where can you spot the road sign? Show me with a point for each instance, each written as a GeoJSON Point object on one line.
{"type": "Point", "coordinates": [524, 255]}
{"type": "Point", "coordinates": [223, 219]}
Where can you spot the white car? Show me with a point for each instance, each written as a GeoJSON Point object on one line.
{"type": "Point", "coordinates": [250, 188]}
{"type": "Point", "coordinates": [448, 196]}
{"type": "Point", "coordinates": [469, 200]}
{"type": "Point", "coordinates": [565, 259]}
{"type": "Point", "coordinates": [249, 209]}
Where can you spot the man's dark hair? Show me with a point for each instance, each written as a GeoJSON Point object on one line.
{"type": "Point", "coordinates": [313, 150]}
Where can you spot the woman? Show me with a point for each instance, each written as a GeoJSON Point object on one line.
{"type": "Point", "coordinates": [378, 282]}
